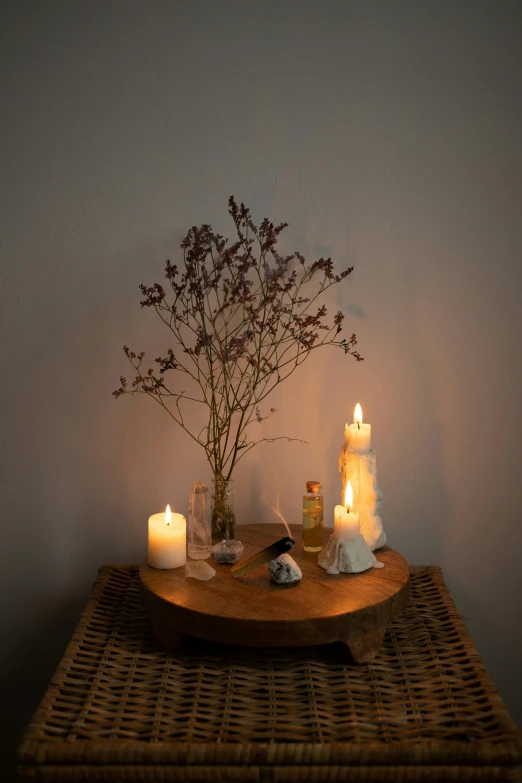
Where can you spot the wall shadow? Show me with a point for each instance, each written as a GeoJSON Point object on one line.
{"type": "Point", "coordinates": [25, 675]}
{"type": "Point", "coordinates": [493, 644]}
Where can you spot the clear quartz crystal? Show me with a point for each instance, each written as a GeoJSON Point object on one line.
{"type": "Point", "coordinates": [199, 531]}
{"type": "Point", "coordinates": [199, 570]}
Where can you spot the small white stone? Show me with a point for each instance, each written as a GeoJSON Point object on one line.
{"type": "Point", "coordinates": [284, 570]}
{"type": "Point", "coordinates": [199, 570]}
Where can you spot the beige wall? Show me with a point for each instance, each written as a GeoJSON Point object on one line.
{"type": "Point", "coordinates": [388, 134]}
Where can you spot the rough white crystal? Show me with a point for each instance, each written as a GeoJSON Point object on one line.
{"type": "Point", "coordinates": [348, 557]}
{"type": "Point", "coordinates": [371, 529]}
{"type": "Point", "coordinates": [361, 471]}
{"type": "Point", "coordinates": [199, 570]}
{"type": "Point", "coordinates": [284, 570]}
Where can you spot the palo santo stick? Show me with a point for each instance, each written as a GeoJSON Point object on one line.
{"type": "Point", "coordinates": [264, 556]}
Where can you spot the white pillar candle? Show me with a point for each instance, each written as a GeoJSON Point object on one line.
{"type": "Point", "coordinates": [167, 540]}
{"type": "Point", "coordinates": [358, 436]}
{"type": "Point", "coordinates": [346, 522]}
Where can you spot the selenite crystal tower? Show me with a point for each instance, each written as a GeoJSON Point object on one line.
{"type": "Point", "coordinates": [358, 464]}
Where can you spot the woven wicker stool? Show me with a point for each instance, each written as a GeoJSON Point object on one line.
{"type": "Point", "coordinates": [118, 709]}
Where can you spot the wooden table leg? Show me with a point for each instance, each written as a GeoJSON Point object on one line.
{"type": "Point", "coordinates": [167, 638]}
{"type": "Point", "coordinates": [364, 648]}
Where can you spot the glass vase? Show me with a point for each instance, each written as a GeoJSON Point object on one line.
{"type": "Point", "coordinates": [223, 510]}
{"type": "Point", "coordinates": [199, 531]}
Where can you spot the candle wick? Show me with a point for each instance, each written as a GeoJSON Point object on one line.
{"type": "Point", "coordinates": [358, 425]}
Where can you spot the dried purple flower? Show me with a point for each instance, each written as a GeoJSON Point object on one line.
{"type": "Point", "coordinates": [242, 320]}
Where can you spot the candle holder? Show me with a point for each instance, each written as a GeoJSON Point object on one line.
{"type": "Point", "coordinates": [347, 557]}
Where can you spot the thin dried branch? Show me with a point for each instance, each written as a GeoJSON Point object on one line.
{"type": "Point", "coordinates": [244, 316]}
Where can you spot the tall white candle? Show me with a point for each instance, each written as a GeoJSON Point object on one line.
{"type": "Point", "coordinates": [167, 540]}
{"type": "Point", "coordinates": [346, 522]}
{"type": "Point", "coordinates": [358, 435]}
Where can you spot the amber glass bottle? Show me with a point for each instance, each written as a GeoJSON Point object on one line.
{"type": "Point", "coordinates": [313, 517]}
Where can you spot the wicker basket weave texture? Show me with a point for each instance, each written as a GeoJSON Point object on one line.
{"type": "Point", "coordinates": [119, 709]}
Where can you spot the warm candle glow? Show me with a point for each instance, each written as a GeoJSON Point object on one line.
{"type": "Point", "coordinates": [357, 414]}
{"type": "Point", "coordinates": [167, 540]}
{"type": "Point", "coordinates": [348, 497]}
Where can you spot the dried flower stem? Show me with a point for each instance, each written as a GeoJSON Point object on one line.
{"type": "Point", "coordinates": [241, 324]}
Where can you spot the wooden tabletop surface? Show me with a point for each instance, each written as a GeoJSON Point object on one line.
{"type": "Point", "coordinates": [321, 607]}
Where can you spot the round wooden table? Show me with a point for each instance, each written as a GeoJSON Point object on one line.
{"type": "Point", "coordinates": [252, 610]}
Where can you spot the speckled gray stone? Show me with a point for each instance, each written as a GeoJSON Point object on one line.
{"type": "Point", "coordinates": [284, 570]}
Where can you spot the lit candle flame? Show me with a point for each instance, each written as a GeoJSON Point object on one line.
{"type": "Point", "coordinates": [357, 414]}
{"type": "Point", "coordinates": [168, 516]}
{"type": "Point", "coordinates": [348, 497]}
